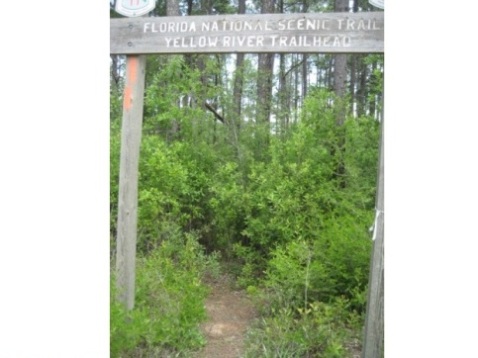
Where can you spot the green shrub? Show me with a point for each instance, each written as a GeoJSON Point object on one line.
{"type": "Point", "coordinates": [321, 330]}
{"type": "Point", "coordinates": [126, 328]}
{"type": "Point", "coordinates": [227, 203]}
{"type": "Point", "coordinates": [174, 191]}
{"type": "Point", "coordinates": [169, 301]}
{"type": "Point", "coordinates": [250, 263]}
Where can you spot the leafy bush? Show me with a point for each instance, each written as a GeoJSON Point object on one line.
{"type": "Point", "coordinates": [310, 223]}
{"type": "Point", "coordinates": [169, 300]}
{"type": "Point", "coordinates": [320, 330]}
{"type": "Point", "coordinates": [174, 191]}
{"type": "Point", "coordinates": [227, 203]}
{"type": "Point", "coordinates": [251, 264]}
{"type": "Point", "coordinates": [343, 259]}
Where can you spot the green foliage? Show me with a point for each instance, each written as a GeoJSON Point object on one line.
{"type": "Point", "coordinates": [169, 300]}
{"type": "Point", "coordinates": [320, 330]}
{"type": "Point", "coordinates": [227, 205]}
{"type": "Point", "coordinates": [343, 256]}
{"type": "Point", "coordinates": [361, 158]}
{"type": "Point", "coordinates": [174, 190]}
{"type": "Point", "coordinates": [290, 196]}
{"type": "Point", "coordinates": [376, 81]}
{"type": "Point", "coordinates": [314, 233]}
{"type": "Point", "coordinates": [161, 182]}
{"type": "Point", "coordinates": [163, 106]}
{"type": "Point", "coordinates": [296, 227]}
{"type": "Point", "coordinates": [297, 323]}
{"type": "Point", "coordinates": [335, 265]}
{"type": "Point", "coordinates": [288, 275]}
{"type": "Point", "coordinates": [251, 264]}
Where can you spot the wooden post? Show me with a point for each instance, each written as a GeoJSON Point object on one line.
{"type": "Point", "coordinates": [373, 343]}
{"type": "Point", "coordinates": [128, 181]}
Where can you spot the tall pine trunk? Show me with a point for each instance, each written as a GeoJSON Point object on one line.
{"type": "Point", "coordinates": [172, 9]}
{"type": "Point", "coordinates": [305, 68]}
{"type": "Point", "coordinates": [284, 96]}
{"type": "Point", "coordinates": [354, 59]}
{"type": "Point", "coordinates": [340, 69]}
{"type": "Point", "coordinates": [264, 79]}
{"type": "Point", "coordinates": [362, 87]}
{"type": "Point", "coordinates": [340, 79]}
{"type": "Point", "coordinates": [239, 78]}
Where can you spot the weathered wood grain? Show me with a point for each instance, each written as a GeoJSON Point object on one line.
{"type": "Point", "coordinates": [260, 33]}
{"type": "Point", "coordinates": [133, 100]}
{"type": "Point", "coordinates": [373, 341]}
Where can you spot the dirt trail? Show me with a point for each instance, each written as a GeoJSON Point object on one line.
{"type": "Point", "coordinates": [230, 313]}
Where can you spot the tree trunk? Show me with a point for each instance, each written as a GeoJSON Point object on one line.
{"type": "Point", "coordinates": [296, 65]}
{"type": "Point", "coordinates": [353, 69]}
{"type": "Point", "coordinates": [340, 69]}
{"type": "Point", "coordinates": [238, 88]}
{"type": "Point", "coordinates": [340, 78]}
{"type": "Point", "coordinates": [239, 78]}
{"type": "Point", "coordinates": [372, 99]}
{"type": "Point", "coordinates": [172, 8]}
{"type": "Point", "coordinates": [264, 79]}
{"type": "Point", "coordinates": [305, 76]}
{"type": "Point", "coordinates": [115, 73]}
{"type": "Point", "coordinates": [362, 91]}
{"type": "Point", "coordinates": [305, 69]}
{"type": "Point", "coordinates": [329, 72]}
{"type": "Point", "coordinates": [284, 97]}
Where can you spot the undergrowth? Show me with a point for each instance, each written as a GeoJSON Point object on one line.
{"type": "Point", "coordinates": [169, 302]}
{"type": "Point", "coordinates": [292, 213]}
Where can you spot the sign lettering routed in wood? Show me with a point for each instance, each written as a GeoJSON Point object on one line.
{"type": "Point", "coordinates": [274, 33]}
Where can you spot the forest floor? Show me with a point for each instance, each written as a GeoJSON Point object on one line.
{"type": "Point", "coordinates": [230, 314]}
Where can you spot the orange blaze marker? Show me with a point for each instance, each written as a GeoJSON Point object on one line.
{"type": "Point", "coordinates": [131, 78]}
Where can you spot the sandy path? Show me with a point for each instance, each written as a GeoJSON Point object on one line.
{"type": "Point", "coordinates": [230, 313]}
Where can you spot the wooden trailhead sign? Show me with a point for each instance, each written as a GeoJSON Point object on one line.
{"type": "Point", "coordinates": [262, 33]}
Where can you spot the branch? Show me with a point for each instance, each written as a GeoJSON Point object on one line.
{"type": "Point", "coordinates": [293, 67]}
{"type": "Point", "coordinates": [217, 115]}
